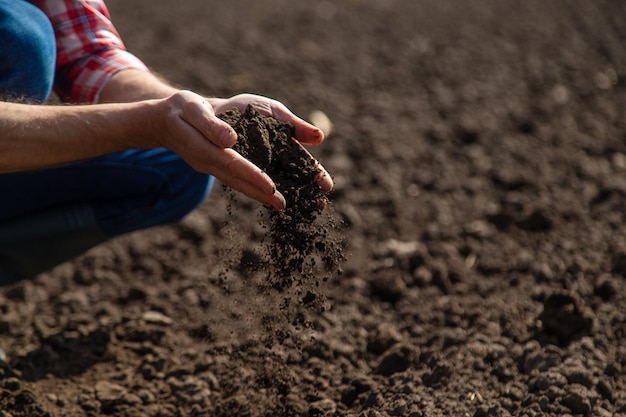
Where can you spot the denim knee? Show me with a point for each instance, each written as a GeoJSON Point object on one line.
{"type": "Point", "coordinates": [28, 51]}
{"type": "Point", "coordinates": [154, 187]}
{"type": "Point", "coordinates": [185, 190]}
{"type": "Point", "coordinates": [192, 190]}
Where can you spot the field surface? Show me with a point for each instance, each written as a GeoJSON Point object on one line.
{"type": "Point", "coordinates": [479, 156]}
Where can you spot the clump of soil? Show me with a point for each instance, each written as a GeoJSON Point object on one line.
{"type": "Point", "coordinates": [299, 237]}
{"type": "Point", "coordinates": [14, 398]}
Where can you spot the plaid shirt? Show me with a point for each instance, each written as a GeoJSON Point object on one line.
{"type": "Point", "coordinates": [89, 49]}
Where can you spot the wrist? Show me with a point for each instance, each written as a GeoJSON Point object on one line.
{"type": "Point", "coordinates": [144, 124]}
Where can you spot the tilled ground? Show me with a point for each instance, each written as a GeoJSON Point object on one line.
{"type": "Point", "coordinates": [480, 161]}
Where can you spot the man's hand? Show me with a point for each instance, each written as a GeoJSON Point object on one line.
{"type": "Point", "coordinates": [192, 130]}
{"type": "Point", "coordinates": [305, 132]}
{"type": "Point", "coordinates": [186, 123]}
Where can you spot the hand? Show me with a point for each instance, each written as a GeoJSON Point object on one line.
{"type": "Point", "coordinates": [192, 130]}
{"type": "Point", "coordinates": [186, 123]}
{"type": "Point", "coordinates": [305, 132]}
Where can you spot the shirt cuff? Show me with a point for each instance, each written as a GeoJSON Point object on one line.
{"type": "Point", "coordinates": [83, 81]}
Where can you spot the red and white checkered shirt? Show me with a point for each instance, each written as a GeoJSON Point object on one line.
{"type": "Point", "coordinates": [89, 48]}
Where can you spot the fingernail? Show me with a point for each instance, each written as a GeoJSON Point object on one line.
{"type": "Point", "coordinates": [231, 138]}
{"type": "Point", "coordinates": [280, 204]}
{"type": "Point", "coordinates": [320, 134]}
{"type": "Point", "coordinates": [271, 189]}
{"type": "Point", "coordinates": [325, 182]}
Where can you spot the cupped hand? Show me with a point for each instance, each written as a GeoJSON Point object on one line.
{"type": "Point", "coordinates": [186, 123]}
{"type": "Point", "coordinates": [191, 129]}
{"type": "Point", "coordinates": [304, 132]}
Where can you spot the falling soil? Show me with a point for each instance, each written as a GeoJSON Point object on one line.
{"type": "Point", "coordinates": [301, 235]}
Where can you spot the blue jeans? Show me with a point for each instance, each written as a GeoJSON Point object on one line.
{"type": "Point", "coordinates": [127, 191]}
{"type": "Point", "coordinates": [28, 52]}
{"type": "Point", "coordinates": [120, 193]}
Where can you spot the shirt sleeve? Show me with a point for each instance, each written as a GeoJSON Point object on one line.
{"type": "Point", "coordinates": [89, 48]}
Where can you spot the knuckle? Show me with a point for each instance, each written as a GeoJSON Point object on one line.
{"type": "Point", "coordinates": [236, 184]}
{"type": "Point", "coordinates": [191, 106]}
{"type": "Point", "coordinates": [232, 166]}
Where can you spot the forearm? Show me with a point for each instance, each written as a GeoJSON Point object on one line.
{"type": "Point", "coordinates": [35, 136]}
{"type": "Point", "coordinates": [131, 115]}
{"type": "Point", "coordinates": [135, 85]}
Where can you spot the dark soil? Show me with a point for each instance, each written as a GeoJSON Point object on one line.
{"type": "Point", "coordinates": [479, 159]}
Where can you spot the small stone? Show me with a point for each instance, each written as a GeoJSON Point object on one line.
{"type": "Point", "coordinates": [580, 376]}
{"type": "Point", "coordinates": [397, 359]}
{"type": "Point", "coordinates": [154, 317]}
{"type": "Point", "coordinates": [398, 408]}
{"type": "Point", "coordinates": [11, 384]}
{"type": "Point", "coordinates": [548, 379]}
{"type": "Point", "coordinates": [577, 399]}
{"type": "Point", "coordinates": [601, 412]}
{"type": "Point", "coordinates": [388, 286]}
{"type": "Point", "coordinates": [479, 229]}
{"type": "Point", "coordinates": [383, 338]}
{"type": "Point", "coordinates": [107, 392]}
{"type": "Point", "coordinates": [325, 407]}
{"type": "Point", "coordinates": [87, 403]}
{"type": "Point", "coordinates": [540, 360]}
{"type": "Point", "coordinates": [319, 119]}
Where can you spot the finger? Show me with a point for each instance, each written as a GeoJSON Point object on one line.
{"type": "Point", "coordinates": [232, 164]}
{"type": "Point", "coordinates": [305, 132]}
{"type": "Point", "coordinates": [323, 179]}
{"type": "Point", "coordinates": [199, 113]}
{"type": "Point", "coordinates": [205, 156]}
{"type": "Point", "coordinates": [241, 175]}
{"type": "Point", "coordinates": [274, 200]}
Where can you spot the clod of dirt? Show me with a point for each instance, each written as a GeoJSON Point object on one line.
{"type": "Point", "coordinates": [566, 318]}
{"type": "Point", "coordinates": [300, 234]}
{"type": "Point", "coordinates": [14, 399]}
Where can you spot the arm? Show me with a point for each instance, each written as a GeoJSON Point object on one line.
{"type": "Point", "coordinates": [33, 136]}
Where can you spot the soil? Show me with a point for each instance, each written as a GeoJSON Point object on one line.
{"type": "Point", "coordinates": [479, 158]}
{"type": "Point", "coordinates": [299, 236]}
{"type": "Point", "coordinates": [297, 233]}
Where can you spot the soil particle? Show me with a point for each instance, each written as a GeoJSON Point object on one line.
{"type": "Point", "coordinates": [566, 318]}
{"type": "Point", "coordinates": [384, 337]}
{"type": "Point", "coordinates": [15, 400]}
{"type": "Point", "coordinates": [325, 407]}
{"type": "Point", "coordinates": [578, 399]}
{"type": "Point", "coordinates": [397, 359]}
